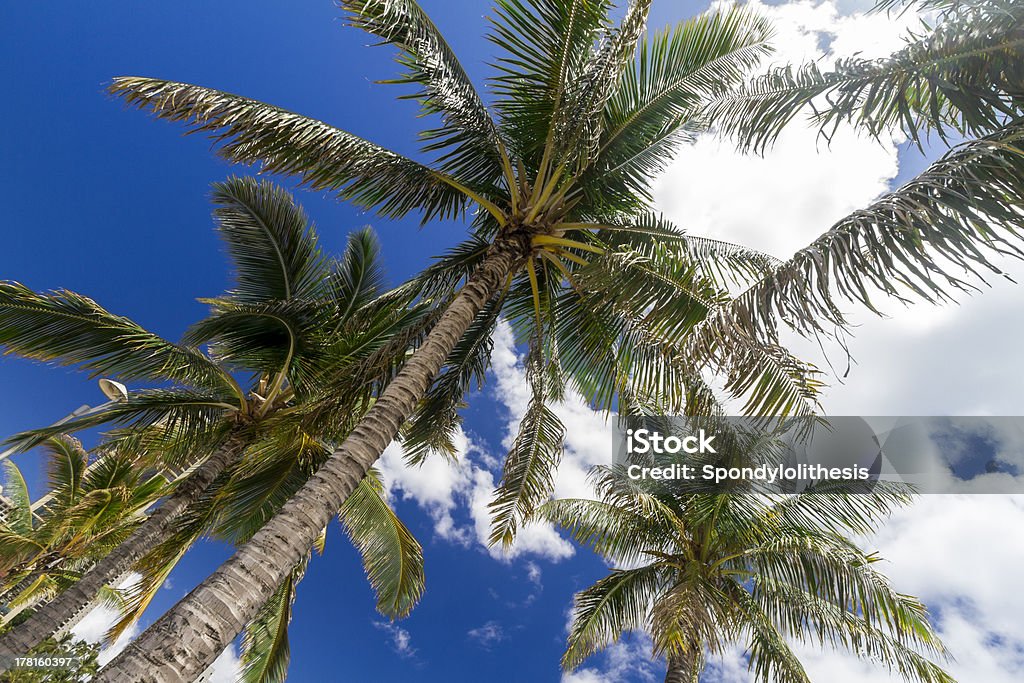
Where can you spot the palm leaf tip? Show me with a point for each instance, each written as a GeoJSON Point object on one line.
{"type": "Point", "coordinates": [323, 157]}
{"type": "Point", "coordinates": [392, 557]}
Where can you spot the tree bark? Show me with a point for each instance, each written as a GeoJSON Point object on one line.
{"type": "Point", "coordinates": [49, 618]}
{"type": "Point", "coordinates": [185, 640]}
{"type": "Point", "coordinates": [685, 667]}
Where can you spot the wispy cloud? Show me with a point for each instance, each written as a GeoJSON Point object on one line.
{"type": "Point", "coordinates": [401, 641]}
{"type": "Point", "coordinates": [487, 635]}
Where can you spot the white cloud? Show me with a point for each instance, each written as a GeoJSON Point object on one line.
{"type": "Point", "coordinates": [226, 668]}
{"type": "Point", "coordinates": [487, 635]}
{"type": "Point", "coordinates": [533, 573]}
{"type": "Point", "coordinates": [94, 626]}
{"type": "Point", "coordinates": [401, 641]}
{"type": "Point", "coordinates": [629, 659]}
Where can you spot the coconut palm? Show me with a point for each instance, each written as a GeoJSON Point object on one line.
{"type": "Point", "coordinates": [315, 337]}
{"type": "Point", "coordinates": [90, 510]}
{"type": "Point", "coordinates": [706, 571]}
{"type": "Point", "coordinates": [961, 79]}
{"type": "Point", "coordinates": [586, 111]}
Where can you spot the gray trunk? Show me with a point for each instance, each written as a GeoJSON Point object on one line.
{"type": "Point", "coordinates": [184, 641]}
{"type": "Point", "coordinates": [685, 667]}
{"type": "Point", "coordinates": [51, 617]}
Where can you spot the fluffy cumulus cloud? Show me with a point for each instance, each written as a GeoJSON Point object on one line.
{"type": "Point", "coordinates": [626, 661]}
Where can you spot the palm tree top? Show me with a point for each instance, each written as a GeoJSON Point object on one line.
{"type": "Point", "coordinates": [703, 572]}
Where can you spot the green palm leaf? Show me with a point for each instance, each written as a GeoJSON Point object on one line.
{"type": "Point", "coordinates": [474, 152]}
{"type": "Point", "coordinates": [963, 76]}
{"type": "Point", "coordinates": [546, 44]}
{"type": "Point", "coordinates": [19, 517]}
{"type": "Point", "coordinates": [71, 329]}
{"type": "Point", "coordinates": [324, 157]}
{"type": "Point", "coordinates": [392, 557]}
{"type": "Point", "coordinates": [265, 648]}
{"type": "Point", "coordinates": [617, 603]}
{"type": "Point", "coordinates": [270, 241]}
{"type": "Point", "coordinates": [66, 464]}
{"type": "Point", "coordinates": [528, 475]}
{"type": "Point", "coordinates": [962, 209]}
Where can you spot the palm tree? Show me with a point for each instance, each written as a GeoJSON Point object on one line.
{"type": "Point", "coordinates": [316, 337]}
{"type": "Point", "coordinates": [587, 111]}
{"type": "Point", "coordinates": [709, 570]}
{"type": "Point", "coordinates": [90, 511]}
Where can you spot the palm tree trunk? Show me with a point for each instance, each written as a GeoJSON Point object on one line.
{"type": "Point", "coordinates": [184, 641]}
{"type": "Point", "coordinates": [685, 667]}
{"type": "Point", "coordinates": [51, 617]}
{"type": "Point", "coordinates": [17, 588]}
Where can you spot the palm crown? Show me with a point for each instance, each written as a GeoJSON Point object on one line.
{"type": "Point", "coordinates": [90, 509]}
{"type": "Point", "coordinates": [705, 571]}
{"type": "Point", "coordinates": [313, 337]}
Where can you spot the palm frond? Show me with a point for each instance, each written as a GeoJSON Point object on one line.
{"type": "Point", "coordinates": [324, 157]}
{"type": "Point", "coordinates": [71, 329]}
{"type": "Point", "coordinates": [655, 104]}
{"type": "Point", "coordinates": [266, 652]}
{"type": "Point", "coordinates": [963, 77]}
{"type": "Point", "coordinates": [615, 532]}
{"type": "Point", "coordinates": [392, 557]}
{"type": "Point", "coordinates": [66, 464]}
{"type": "Point", "coordinates": [359, 277]}
{"type": "Point", "coordinates": [271, 243]}
{"type": "Point", "coordinates": [957, 213]}
{"type": "Point", "coordinates": [178, 408]}
{"type": "Point", "coordinates": [545, 46]}
{"type": "Point", "coordinates": [528, 475]}
{"type": "Point", "coordinates": [19, 517]}
{"type": "Point", "coordinates": [472, 145]}
{"type": "Point", "coordinates": [576, 125]}
{"type": "Point", "coordinates": [617, 603]}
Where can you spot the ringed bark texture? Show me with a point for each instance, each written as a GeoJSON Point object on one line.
{"type": "Point", "coordinates": [186, 640]}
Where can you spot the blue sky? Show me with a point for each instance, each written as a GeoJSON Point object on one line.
{"type": "Point", "coordinates": [104, 201]}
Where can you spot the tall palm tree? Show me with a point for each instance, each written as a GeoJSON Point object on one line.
{"type": "Point", "coordinates": [91, 510]}
{"type": "Point", "coordinates": [586, 112]}
{"type": "Point", "coordinates": [313, 336]}
{"type": "Point", "coordinates": [702, 572]}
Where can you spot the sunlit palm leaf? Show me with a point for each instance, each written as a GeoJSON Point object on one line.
{"type": "Point", "coordinates": [469, 138]}
{"type": "Point", "coordinates": [528, 476]}
{"type": "Point", "coordinates": [965, 76]}
{"type": "Point", "coordinates": [618, 603]}
{"type": "Point", "coordinates": [324, 157]}
{"type": "Point", "coordinates": [19, 517]}
{"type": "Point", "coordinates": [963, 209]}
{"type": "Point", "coordinates": [546, 44]}
{"type": "Point", "coordinates": [392, 557]}
{"type": "Point", "coordinates": [71, 329]}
